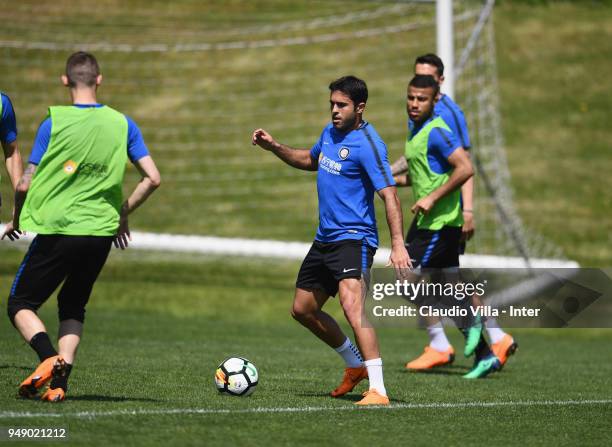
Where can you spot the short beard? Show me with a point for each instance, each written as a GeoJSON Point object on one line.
{"type": "Point", "coordinates": [349, 125]}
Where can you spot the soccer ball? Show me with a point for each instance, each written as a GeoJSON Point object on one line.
{"type": "Point", "coordinates": [236, 376]}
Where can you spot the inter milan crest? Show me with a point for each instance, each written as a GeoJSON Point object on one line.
{"type": "Point", "coordinates": [343, 153]}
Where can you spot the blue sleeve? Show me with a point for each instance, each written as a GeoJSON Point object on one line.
{"type": "Point", "coordinates": [41, 142]}
{"type": "Point", "coordinates": [455, 119]}
{"type": "Point", "coordinates": [462, 131]}
{"type": "Point", "coordinates": [373, 157]}
{"type": "Point", "coordinates": [8, 123]}
{"type": "Point", "coordinates": [442, 142]}
{"type": "Point", "coordinates": [135, 145]}
{"type": "Point", "coordinates": [315, 151]}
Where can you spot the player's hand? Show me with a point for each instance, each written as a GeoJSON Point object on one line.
{"type": "Point", "coordinates": [400, 261]}
{"type": "Point", "coordinates": [468, 228]}
{"type": "Point", "coordinates": [123, 234]}
{"type": "Point", "coordinates": [11, 232]}
{"type": "Point", "coordinates": [263, 139]}
{"type": "Point", "coordinates": [423, 205]}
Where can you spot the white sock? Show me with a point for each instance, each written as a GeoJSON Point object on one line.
{"type": "Point", "coordinates": [375, 375]}
{"type": "Point", "coordinates": [437, 338]}
{"type": "Point", "coordinates": [349, 352]}
{"type": "Point", "coordinates": [494, 331]}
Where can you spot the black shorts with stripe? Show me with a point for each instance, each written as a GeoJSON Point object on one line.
{"type": "Point", "coordinates": [328, 263]}
{"type": "Point", "coordinates": [52, 259]}
{"type": "Point", "coordinates": [434, 248]}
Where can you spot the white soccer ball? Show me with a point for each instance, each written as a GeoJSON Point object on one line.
{"type": "Point", "coordinates": [236, 376]}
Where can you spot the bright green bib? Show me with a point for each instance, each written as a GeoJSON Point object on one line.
{"type": "Point", "coordinates": [447, 210]}
{"type": "Point", "coordinates": [77, 187]}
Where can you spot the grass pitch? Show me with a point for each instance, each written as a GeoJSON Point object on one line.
{"type": "Point", "coordinates": [158, 325]}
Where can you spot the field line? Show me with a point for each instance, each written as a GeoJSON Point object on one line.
{"type": "Point", "coordinates": [308, 409]}
{"type": "Point", "coordinates": [185, 243]}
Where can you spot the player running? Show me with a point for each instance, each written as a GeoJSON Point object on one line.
{"type": "Point", "coordinates": [8, 139]}
{"type": "Point", "coordinates": [440, 352]}
{"type": "Point", "coordinates": [437, 167]}
{"type": "Point", "coordinates": [71, 195]}
{"type": "Point", "coordinates": [351, 163]}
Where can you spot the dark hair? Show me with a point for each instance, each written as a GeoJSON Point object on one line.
{"type": "Point", "coordinates": [425, 81]}
{"type": "Point", "coordinates": [353, 87]}
{"type": "Point", "coordinates": [431, 59]}
{"type": "Point", "coordinates": [82, 68]}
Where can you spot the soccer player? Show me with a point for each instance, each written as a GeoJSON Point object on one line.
{"type": "Point", "coordinates": [71, 195]}
{"type": "Point", "coordinates": [351, 163]}
{"type": "Point", "coordinates": [8, 139]}
{"type": "Point", "coordinates": [441, 352]}
{"type": "Point", "coordinates": [437, 167]}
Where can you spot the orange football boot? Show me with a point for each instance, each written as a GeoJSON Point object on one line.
{"type": "Point", "coordinates": [373, 397]}
{"type": "Point", "coordinates": [352, 376]}
{"type": "Point", "coordinates": [43, 373]}
{"type": "Point", "coordinates": [56, 394]}
{"type": "Point", "coordinates": [431, 358]}
{"type": "Point", "coordinates": [53, 395]}
{"type": "Point", "coordinates": [504, 348]}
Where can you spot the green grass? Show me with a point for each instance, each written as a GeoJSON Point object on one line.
{"type": "Point", "coordinates": [556, 110]}
{"type": "Point", "coordinates": [158, 325]}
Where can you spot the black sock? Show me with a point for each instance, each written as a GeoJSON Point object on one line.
{"type": "Point", "coordinates": [61, 381]}
{"type": "Point", "coordinates": [42, 345]}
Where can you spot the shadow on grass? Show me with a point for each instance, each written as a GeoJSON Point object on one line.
{"type": "Point", "coordinates": [22, 368]}
{"type": "Point", "coordinates": [452, 370]}
{"type": "Point", "coordinates": [354, 396]}
{"type": "Point", "coordinates": [351, 397]}
{"type": "Point", "coordinates": [99, 398]}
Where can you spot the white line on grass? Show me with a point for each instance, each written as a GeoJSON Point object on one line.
{"type": "Point", "coordinates": [214, 411]}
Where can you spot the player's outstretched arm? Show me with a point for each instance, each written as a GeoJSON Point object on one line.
{"type": "Point", "coordinates": [149, 182]}
{"type": "Point", "coordinates": [462, 170]}
{"type": "Point", "coordinates": [298, 158]}
{"type": "Point", "coordinates": [399, 256]}
{"type": "Point", "coordinates": [21, 191]}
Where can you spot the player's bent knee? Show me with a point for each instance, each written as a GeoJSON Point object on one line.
{"type": "Point", "coordinates": [299, 313]}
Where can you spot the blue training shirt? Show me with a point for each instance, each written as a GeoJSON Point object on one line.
{"type": "Point", "coordinates": [352, 166]}
{"type": "Point", "coordinates": [135, 144]}
{"type": "Point", "coordinates": [453, 116]}
{"type": "Point", "coordinates": [8, 122]}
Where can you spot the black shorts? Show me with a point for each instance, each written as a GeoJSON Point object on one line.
{"type": "Point", "coordinates": [412, 234]}
{"type": "Point", "coordinates": [51, 259]}
{"type": "Point", "coordinates": [434, 248]}
{"type": "Point", "coordinates": [328, 263]}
